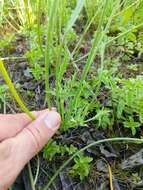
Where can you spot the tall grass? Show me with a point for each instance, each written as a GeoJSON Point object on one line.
{"type": "Point", "coordinates": [49, 39]}
{"type": "Point", "coordinates": [28, 14]}
{"type": "Point", "coordinates": [1, 11]}
{"type": "Point", "coordinates": [56, 36]}
{"type": "Point", "coordinates": [20, 15]}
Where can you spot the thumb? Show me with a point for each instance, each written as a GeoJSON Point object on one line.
{"type": "Point", "coordinates": [33, 137]}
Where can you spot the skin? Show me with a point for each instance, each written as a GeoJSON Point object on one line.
{"type": "Point", "coordinates": [21, 139]}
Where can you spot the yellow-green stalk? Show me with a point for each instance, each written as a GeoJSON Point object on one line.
{"type": "Point", "coordinates": [13, 91]}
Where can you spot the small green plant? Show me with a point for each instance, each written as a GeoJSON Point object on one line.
{"type": "Point", "coordinates": [81, 167]}
{"type": "Point", "coordinates": [3, 96]}
{"type": "Point", "coordinates": [37, 72]}
{"type": "Point", "coordinates": [132, 125]}
{"type": "Point", "coordinates": [136, 177]}
{"type": "Point", "coordinates": [133, 67]}
{"type": "Point", "coordinates": [116, 139]}
{"type": "Point", "coordinates": [128, 97]}
{"type": "Point", "coordinates": [52, 149]}
{"type": "Point", "coordinates": [103, 118]}
{"type": "Point", "coordinates": [3, 90]}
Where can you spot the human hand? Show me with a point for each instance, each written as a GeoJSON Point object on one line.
{"type": "Point", "coordinates": [21, 139]}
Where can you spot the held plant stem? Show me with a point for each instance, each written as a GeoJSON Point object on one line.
{"type": "Point", "coordinates": [13, 91]}
{"type": "Point", "coordinates": [117, 139]}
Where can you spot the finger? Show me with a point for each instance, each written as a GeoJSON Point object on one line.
{"type": "Point", "coordinates": [21, 148]}
{"type": "Point", "coordinates": [11, 124]}
{"type": "Point", "coordinates": [32, 138]}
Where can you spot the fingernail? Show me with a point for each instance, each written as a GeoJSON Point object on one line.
{"type": "Point", "coordinates": [54, 109]}
{"type": "Point", "coordinates": [52, 120]}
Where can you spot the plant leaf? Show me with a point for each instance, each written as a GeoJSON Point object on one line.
{"type": "Point", "coordinates": [74, 16]}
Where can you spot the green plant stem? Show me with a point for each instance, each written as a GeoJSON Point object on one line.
{"type": "Point", "coordinates": [74, 15]}
{"type": "Point", "coordinates": [27, 11]}
{"type": "Point", "coordinates": [38, 26]}
{"type": "Point", "coordinates": [49, 39]}
{"type": "Point", "coordinates": [124, 33]}
{"type": "Point", "coordinates": [117, 139]}
{"type": "Point", "coordinates": [122, 11]}
{"type": "Point", "coordinates": [97, 41]}
{"type": "Point", "coordinates": [1, 11]}
{"type": "Point", "coordinates": [13, 91]}
{"type": "Point", "coordinates": [77, 47]}
{"type": "Point", "coordinates": [31, 177]}
{"type": "Point", "coordinates": [59, 53]}
{"type": "Point", "coordinates": [38, 169]}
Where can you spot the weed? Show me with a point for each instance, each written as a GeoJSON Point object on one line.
{"type": "Point", "coordinates": [3, 97]}
{"type": "Point", "coordinates": [128, 98]}
{"type": "Point", "coordinates": [81, 167]}
{"type": "Point", "coordinates": [102, 117]}
{"type": "Point", "coordinates": [52, 148]}
{"type": "Point", "coordinates": [82, 163]}
{"type": "Point", "coordinates": [131, 124]}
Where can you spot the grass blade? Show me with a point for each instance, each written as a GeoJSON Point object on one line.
{"type": "Point", "coordinates": [124, 33]}
{"type": "Point", "coordinates": [110, 176]}
{"type": "Point", "coordinates": [74, 16]}
{"type": "Point", "coordinates": [49, 39]}
{"type": "Point", "coordinates": [97, 40]}
{"type": "Point", "coordinates": [1, 11]}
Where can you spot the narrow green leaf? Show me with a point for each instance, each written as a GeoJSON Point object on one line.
{"type": "Point", "coordinates": [49, 40]}
{"type": "Point", "coordinates": [74, 16]}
